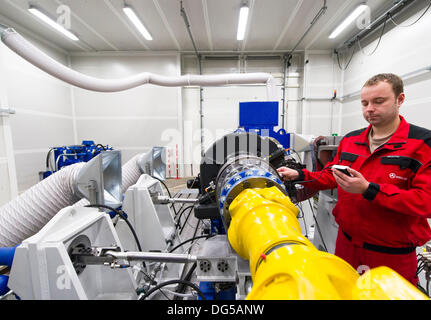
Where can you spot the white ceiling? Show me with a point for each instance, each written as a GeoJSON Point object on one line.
{"type": "Point", "coordinates": [274, 25]}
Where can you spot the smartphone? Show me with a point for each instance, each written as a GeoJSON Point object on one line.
{"type": "Point", "coordinates": [341, 168]}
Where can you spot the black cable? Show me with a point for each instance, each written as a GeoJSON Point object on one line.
{"type": "Point", "coordinates": [303, 219]}
{"type": "Point", "coordinates": [422, 289]}
{"type": "Point", "coordinates": [398, 25]}
{"type": "Point", "coordinates": [167, 189]}
{"type": "Point", "coordinates": [189, 273]}
{"type": "Point", "coordinates": [194, 180]}
{"type": "Point", "coordinates": [185, 221]}
{"type": "Point", "coordinates": [164, 184]}
{"type": "Point", "coordinates": [121, 215]}
{"type": "Point", "coordinates": [428, 287]}
{"type": "Point", "coordinates": [103, 147]}
{"type": "Point", "coordinates": [191, 239]}
{"type": "Point", "coordinates": [317, 225]}
{"type": "Point", "coordinates": [166, 283]}
{"type": "Point", "coordinates": [5, 270]}
{"type": "Point", "coordinates": [420, 269]}
{"type": "Point", "coordinates": [304, 181]}
{"type": "Point", "coordinates": [338, 59]}
{"type": "Point", "coordinates": [139, 291]}
{"type": "Point", "coordinates": [297, 154]}
{"type": "Point", "coordinates": [194, 233]}
{"type": "Point", "coordinates": [360, 48]}
{"type": "Point", "coordinates": [180, 214]}
{"type": "Point", "coordinates": [152, 281]}
{"type": "Point", "coordinates": [172, 205]}
{"type": "Point", "coordinates": [181, 287]}
{"type": "Point", "coordinates": [380, 38]}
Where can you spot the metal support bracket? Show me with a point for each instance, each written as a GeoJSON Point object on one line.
{"type": "Point", "coordinates": [7, 111]}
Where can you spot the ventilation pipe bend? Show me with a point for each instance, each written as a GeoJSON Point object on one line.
{"type": "Point", "coordinates": [29, 52]}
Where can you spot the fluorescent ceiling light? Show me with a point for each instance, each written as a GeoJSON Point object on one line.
{"type": "Point", "coordinates": [242, 23]}
{"type": "Point", "coordinates": [130, 13]}
{"type": "Point", "coordinates": [52, 23]}
{"type": "Point", "coordinates": [356, 13]}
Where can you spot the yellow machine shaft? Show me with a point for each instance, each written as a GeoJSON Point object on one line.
{"type": "Point", "coordinates": [285, 265]}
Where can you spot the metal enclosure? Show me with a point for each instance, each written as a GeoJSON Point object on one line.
{"type": "Point", "coordinates": [42, 268]}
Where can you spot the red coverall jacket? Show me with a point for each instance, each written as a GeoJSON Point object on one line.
{"type": "Point", "coordinates": [393, 211]}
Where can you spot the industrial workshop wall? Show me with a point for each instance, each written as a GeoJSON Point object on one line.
{"type": "Point", "coordinates": [43, 117]}
{"type": "Point", "coordinates": [319, 113]}
{"type": "Point", "coordinates": [134, 120]}
{"type": "Point", "coordinates": [8, 185]}
{"type": "Point", "coordinates": [402, 50]}
{"type": "Point", "coordinates": [220, 105]}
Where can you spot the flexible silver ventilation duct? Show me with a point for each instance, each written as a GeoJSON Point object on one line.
{"type": "Point", "coordinates": [29, 212]}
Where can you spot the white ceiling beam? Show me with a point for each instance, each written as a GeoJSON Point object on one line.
{"type": "Point", "coordinates": [207, 24]}
{"type": "Point", "coordinates": [288, 24]}
{"type": "Point", "coordinates": [90, 28]}
{"type": "Point", "coordinates": [28, 14]}
{"type": "Point", "coordinates": [166, 23]}
{"type": "Point", "coordinates": [247, 30]}
{"type": "Point", "coordinates": [330, 23]}
{"type": "Point", "coordinates": [187, 10]}
{"type": "Point", "coordinates": [125, 23]}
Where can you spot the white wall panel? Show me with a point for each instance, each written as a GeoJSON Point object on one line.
{"type": "Point", "coordinates": [31, 131]}
{"type": "Point", "coordinates": [319, 117]}
{"type": "Point", "coordinates": [129, 132]}
{"type": "Point", "coordinates": [28, 166]}
{"type": "Point", "coordinates": [38, 93]}
{"type": "Point", "coordinates": [3, 153]}
{"type": "Point", "coordinates": [293, 119]}
{"type": "Point", "coordinates": [134, 120]}
{"type": "Point", "coordinates": [352, 116]}
{"type": "Point", "coordinates": [148, 100]}
{"type": "Point", "coordinates": [5, 195]}
{"type": "Point", "coordinates": [191, 127]}
{"type": "Point", "coordinates": [402, 50]}
{"type": "Point", "coordinates": [30, 88]}
{"type": "Point", "coordinates": [416, 108]}
{"type": "Point", "coordinates": [145, 100]}
{"type": "Point", "coordinates": [43, 115]}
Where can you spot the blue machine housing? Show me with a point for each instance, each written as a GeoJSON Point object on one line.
{"type": "Point", "coordinates": [261, 117]}
{"type": "Point", "coordinates": [209, 291]}
{"type": "Point", "coordinates": [242, 176]}
{"type": "Point", "coordinates": [67, 155]}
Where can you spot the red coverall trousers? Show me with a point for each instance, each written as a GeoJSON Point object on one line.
{"type": "Point", "coordinates": [363, 259]}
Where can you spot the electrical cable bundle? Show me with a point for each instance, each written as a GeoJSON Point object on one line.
{"type": "Point", "coordinates": [391, 18]}
{"type": "Point", "coordinates": [120, 213]}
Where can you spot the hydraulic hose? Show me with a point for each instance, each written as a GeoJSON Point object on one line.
{"type": "Point", "coordinates": [3, 285]}
{"type": "Point", "coordinates": [6, 256]}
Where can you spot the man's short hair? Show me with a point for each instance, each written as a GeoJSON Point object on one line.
{"type": "Point", "coordinates": [393, 79]}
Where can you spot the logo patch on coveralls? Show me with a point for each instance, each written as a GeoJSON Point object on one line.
{"type": "Point", "coordinates": [394, 176]}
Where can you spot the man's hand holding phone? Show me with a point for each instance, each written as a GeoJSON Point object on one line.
{"type": "Point", "coordinates": [349, 179]}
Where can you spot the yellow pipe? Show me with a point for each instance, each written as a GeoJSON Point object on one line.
{"type": "Point", "coordinates": [285, 265]}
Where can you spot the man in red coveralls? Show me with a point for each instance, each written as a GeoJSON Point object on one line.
{"type": "Point", "coordinates": [384, 204]}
